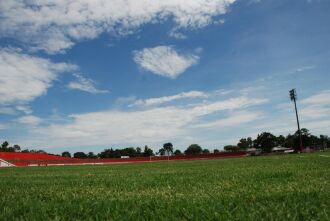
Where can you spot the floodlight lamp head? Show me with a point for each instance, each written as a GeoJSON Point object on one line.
{"type": "Point", "coordinates": [293, 95]}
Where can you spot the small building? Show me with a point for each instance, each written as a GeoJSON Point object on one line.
{"type": "Point", "coordinates": [124, 157]}
{"type": "Point", "coordinates": [280, 149]}
{"type": "Point", "coordinates": [254, 151]}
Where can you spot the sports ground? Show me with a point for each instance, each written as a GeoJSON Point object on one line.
{"type": "Point", "coordinates": [286, 187]}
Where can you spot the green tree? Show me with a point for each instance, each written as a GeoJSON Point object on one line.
{"type": "Point", "coordinates": [168, 147]}
{"type": "Point", "coordinates": [107, 153]}
{"type": "Point", "coordinates": [16, 148]}
{"type": "Point", "coordinates": [91, 155]}
{"type": "Point", "coordinates": [4, 145]}
{"type": "Point", "coordinates": [147, 151]}
{"type": "Point", "coordinates": [245, 143]}
{"type": "Point", "coordinates": [265, 141]}
{"type": "Point", "coordinates": [66, 154]}
{"type": "Point", "coordinates": [205, 151]}
{"type": "Point", "coordinates": [290, 141]}
{"type": "Point", "coordinates": [138, 151]}
{"type": "Point", "coordinates": [80, 155]}
{"type": "Point", "coordinates": [231, 148]}
{"type": "Point", "coordinates": [325, 141]}
{"type": "Point", "coordinates": [305, 136]}
{"type": "Point", "coordinates": [193, 149]}
{"type": "Point", "coordinates": [280, 141]}
{"type": "Point", "coordinates": [177, 152]}
{"type": "Point", "coordinates": [216, 151]}
{"type": "Point", "coordinates": [6, 148]}
{"type": "Point", "coordinates": [161, 151]}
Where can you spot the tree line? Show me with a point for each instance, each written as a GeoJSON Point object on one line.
{"type": "Point", "coordinates": [167, 150]}
{"type": "Point", "coordinates": [5, 147]}
{"type": "Point", "coordinates": [264, 141]}
{"type": "Point", "coordinates": [113, 153]}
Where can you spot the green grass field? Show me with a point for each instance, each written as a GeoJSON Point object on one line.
{"type": "Point", "coordinates": [292, 187]}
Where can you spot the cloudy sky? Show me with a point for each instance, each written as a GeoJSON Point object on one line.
{"type": "Point", "coordinates": [87, 75]}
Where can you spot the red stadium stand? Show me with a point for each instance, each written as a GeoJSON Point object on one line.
{"type": "Point", "coordinates": [43, 159]}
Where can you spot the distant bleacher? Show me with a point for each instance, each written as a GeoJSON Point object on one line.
{"type": "Point", "coordinates": [44, 159]}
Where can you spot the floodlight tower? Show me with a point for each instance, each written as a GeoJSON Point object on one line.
{"type": "Point", "coordinates": [293, 97]}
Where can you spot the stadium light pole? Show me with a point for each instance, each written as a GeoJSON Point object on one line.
{"type": "Point", "coordinates": [293, 97]}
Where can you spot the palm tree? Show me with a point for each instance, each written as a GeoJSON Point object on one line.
{"type": "Point", "coordinates": [168, 147]}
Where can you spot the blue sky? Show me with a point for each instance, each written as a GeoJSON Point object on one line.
{"type": "Point", "coordinates": [88, 75]}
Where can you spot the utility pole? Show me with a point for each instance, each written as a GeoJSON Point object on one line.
{"type": "Point", "coordinates": [293, 97]}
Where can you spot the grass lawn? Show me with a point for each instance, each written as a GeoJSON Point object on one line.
{"type": "Point", "coordinates": [292, 187]}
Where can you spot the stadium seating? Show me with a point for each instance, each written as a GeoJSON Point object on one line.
{"type": "Point", "coordinates": [43, 159]}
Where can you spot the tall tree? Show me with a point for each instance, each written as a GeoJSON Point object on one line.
{"type": "Point", "coordinates": [91, 155]}
{"type": "Point", "coordinates": [6, 148]}
{"type": "Point", "coordinates": [290, 141]}
{"type": "Point", "coordinates": [66, 154]}
{"type": "Point", "coordinates": [16, 148]}
{"type": "Point", "coordinates": [194, 149]}
{"type": "Point", "coordinates": [161, 151]}
{"type": "Point", "coordinates": [231, 148]}
{"type": "Point", "coordinates": [80, 155]}
{"type": "Point", "coordinates": [265, 141]}
{"type": "Point", "coordinates": [4, 145]}
{"type": "Point", "coordinates": [147, 151]}
{"type": "Point", "coordinates": [305, 137]}
{"type": "Point", "coordinates": [280, 141]}
{"type": "Point", "coordinates": [107, 153]}
{"type": "Point", "coordinates": [177, 152]}
{"type": "Point", "coordinates": [324, 141]}
{"type": "Point", "coordinates": [138, 151]}
{"type": "Point", "coordinates": [206, 151]}
{"type": "Point", "coordinates": [168, 147]}
{"type": "Point", "coordinates": [245, 143]}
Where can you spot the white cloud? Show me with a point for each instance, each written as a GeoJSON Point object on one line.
{"type": "Point", "coordinates": [301, 69]}
{"type": "Point", "coordinates": [25, 77]}
{"type": "Point", "coordinates": [133, 127]}
{"type": "Point", "coordinates": [316, 106]}
{"type": "Point", "coordinates": [235, 119]}
{"type": "Point", "coordinates": [56, 25]}
{"type": "Point", "coordinates": [24, 109]}
{"type": "Point", "coordinates": [164, 61]}
{"type": "Point", "coordinates": [322, 98]}
{"type": "Point", "coordinates": [7, 110]}
{"type": "Point", "coordinates": [166, 99]}
{"type": "Point", "coordinates": [314, 112]}
{"type": "Point", "coordinates": [30, 120]}
{"type": "Point", "coordinates": [219, 22]}
{"type": "Point", "coordinates": [318, 126]}
{"type": "Point", "coordinates": [254, 1]}
{"type": "Point", "coordinates": [85, 84]}
{"type": "Point", "coordinates": [174, 33]}
{"type": "Point", "coordinates": [230, 104]}
{"type": "Point", "coordinates": [13, 110]}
